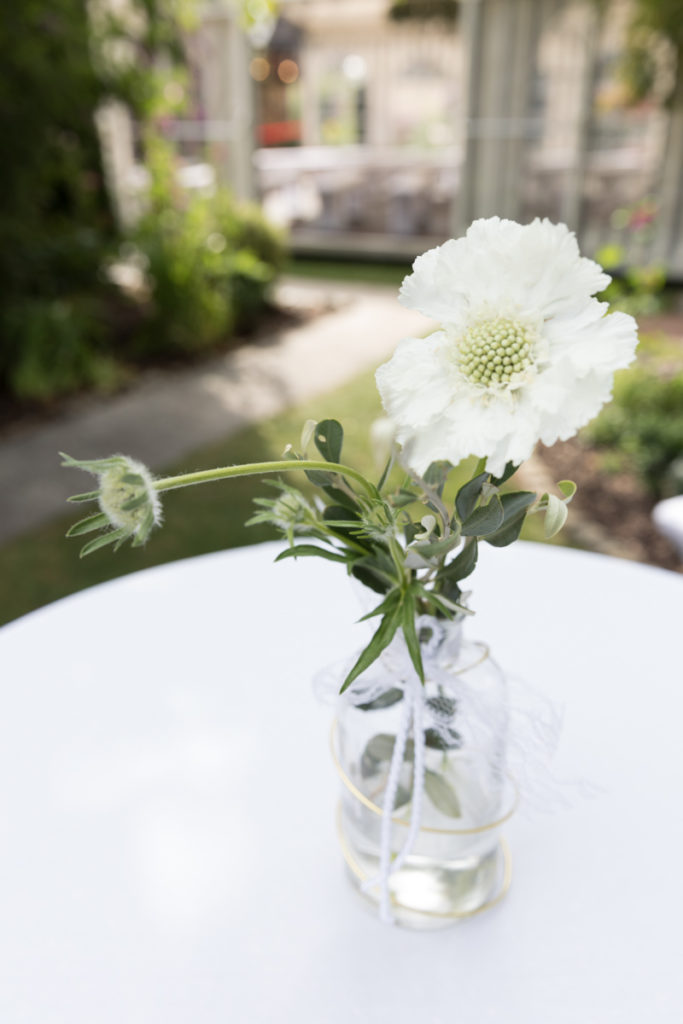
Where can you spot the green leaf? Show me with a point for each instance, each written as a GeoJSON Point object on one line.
{"type": "Point", "coordinates": [380, 640]}
{"type": "Point", "coordinates": [402, 498]}
{"type": "Point", "coordinates": [445, 602]}
{"type": "Point", "coordinates": [370, 579]}
{"type": "Point", "coordinates": [379, 750]}
{"type": "Point", "coordinates": [485, 519]}
{"type": "Point", "coordinates": [442, 794]}
{"type": "Point", "coordinates": [136, 502]}
{"type": "Point", "coordinates": [510, 469]}
{"type": "Point", "coordinates": [468, 495]}
{"type": "Point", "coordinates": [88, 496]}
{"type": "Point", "coordinates": [436, 548]}
{"type": "Point", "coordinates": [309, 550]}
{"type": "Point", "coordinates": [443, 705]}
{"type": "Point", "coordinates": [515, 505]}
{"type": "Point", "coordinates": [385, 473]}
{"type": "Point", "coordinates": [408, 610]}
{"type": "Point", "coordinates": [96, 466]}
{"type": "Point", "coordinates": [437, 474]}
{"type": "Point", "coordinates": [403, 797]}
{"type": "Point", "coordinates": [381, 747]}
{"type": "Point", "coordinates": [555, 515]}
{"type": "Point", "coordinates": [385, 700]}
{"type": "Point", "coordinates": [341, 497]}
{"type": "Point", "coordinates": [568, 488]}
{"type": "Point", "coordinates": [515, 502]}
{"type": "Point", "coordinates": [463, 564]}
{"type": "Point", "coordinates": [319, 478]}
{"type": "Point", "coordinates": [508, 533]}
{"type": "Point", "coordinates": [142, 533]}
{"type": "Point", "coordinates": [450, 740]}
{"type": "Point", "coordinates": [341, 515]}
{"type": "Point", "coordinates": [329, 437]}
{"type": "Point", "coordinates": [94, 522]}
{"type": "Point", "coordinates": [102, 541]}
{"type": "Point", "coordinates": [132, 478]}
{"type": "Point", "coordinates": [390, 602]}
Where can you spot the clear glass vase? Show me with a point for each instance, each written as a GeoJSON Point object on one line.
{"type": "Point", "coordinates": [458, 864]}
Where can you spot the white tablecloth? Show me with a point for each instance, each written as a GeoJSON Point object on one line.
{"type": "Point", "coordinates": [167, 842]}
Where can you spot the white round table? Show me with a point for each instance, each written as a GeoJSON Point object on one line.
{"type": "Point", "coordinates": [168, 850]}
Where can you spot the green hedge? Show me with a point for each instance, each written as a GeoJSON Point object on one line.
{"type": "Point", "coordinates": [644, 424]}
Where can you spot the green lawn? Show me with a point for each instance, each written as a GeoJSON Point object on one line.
{"type": "Point", "coordinates": [43, 565]}
{"type": "Point", "coordinates": [348, 270]}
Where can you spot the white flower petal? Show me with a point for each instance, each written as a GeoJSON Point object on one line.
{"type": "Point", "coordinates": [415, 383]}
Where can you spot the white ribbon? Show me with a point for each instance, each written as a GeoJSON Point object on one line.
{"type": "Point", "coordinates": [413, 708]}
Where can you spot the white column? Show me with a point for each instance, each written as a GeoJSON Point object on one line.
{"type": "Point", "coordinates": [228, 99]}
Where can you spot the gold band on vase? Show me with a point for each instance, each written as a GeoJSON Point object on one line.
{"type": "Point", "coordinates": [356, 870]}
{"type": "Point", "coordinates": [367, 802]}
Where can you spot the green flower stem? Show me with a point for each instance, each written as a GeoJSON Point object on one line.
{"type": "Point", "coordinates": [170, 483]}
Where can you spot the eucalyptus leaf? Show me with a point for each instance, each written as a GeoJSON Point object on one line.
{"type": "Point", "coordinates": [448, 740]}
{"type": "Point", "coordinates": [381, 748]}
{"type": "Point", "coordinates": [568, 488]}
{"type": "Point", "coordinates": [402, 498]}
{"type": "Point", "coordinates": [442, 794]}
{"type": "Point", "coordinates": [463, 564]}
{"type": "Point", "coordinates": [403, 797]}
{"type": "Point", "coordinates": [515, 505]}
{"type": "Point", "coordinates": [436, 548]}
{"type": "Point", "coordinates": [555, 515]}
{"type": "Point", "coordinates": [515, 502]}
{"type": "Point", "coordinates": [508, 533]}
{"type": "Point", "coordinates": [437, 474]}
{"type": "Point", "coordinates": [510, 469]}
{"type": "Point", "coordinates": [340, 515]}
{"type": "Point", "coordinates": [329, 438]}
{"type": "Point", "coordinates": [484, 520]}
{"type": "Point", "coordinates": [341, 497]}
{"type": "Point", "coordinates": [442, 705]}
{"type": "Point", "coordinates": [370, 579]}
{"type": "Point", "coordinates": [468, 495]}
{"type": "Point", "coordinates": [319, 478]}
{"type": "Point", "coordinates": [385, 700]}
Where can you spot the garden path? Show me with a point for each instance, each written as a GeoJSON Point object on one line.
{"type": "Point", "coordinates": [169, 413]}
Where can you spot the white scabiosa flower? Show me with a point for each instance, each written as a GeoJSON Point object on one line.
{"type": "Point", "coordinates": [129, 504]}
{"type": "Point", "coordinates": [525, 352]}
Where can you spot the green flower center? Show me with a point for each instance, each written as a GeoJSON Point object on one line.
{"type": "Point", "coordinates": [495, 351]}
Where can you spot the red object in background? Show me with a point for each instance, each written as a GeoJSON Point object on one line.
{"type": "Point", "coordinates": [279, 133]}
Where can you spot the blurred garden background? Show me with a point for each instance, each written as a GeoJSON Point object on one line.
{"type": "Point", "coordinates": [167, 162]}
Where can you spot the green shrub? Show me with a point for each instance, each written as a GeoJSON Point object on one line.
{"type": "Point", "coordinates": [53, 347]}
{"type": "Point", "coordinates": [207, 268]}
{"type": "Point", "coordinates": [644, 422]}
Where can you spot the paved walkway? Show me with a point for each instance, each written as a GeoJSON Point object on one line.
{"type": "Point", "coordinates": [168, 414]}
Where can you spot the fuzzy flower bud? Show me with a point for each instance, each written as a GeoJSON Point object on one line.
{"type": "Point", "coordinates": [129, 504]}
